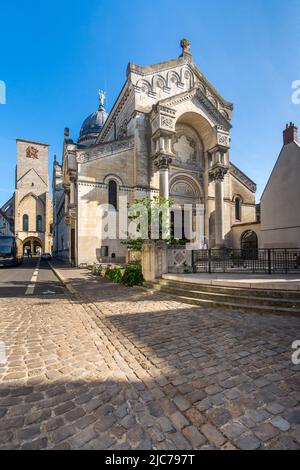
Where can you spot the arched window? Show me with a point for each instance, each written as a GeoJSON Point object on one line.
{"type": "Point", "coordinates": [39, 223]}
{"type": "Point", "coordinates": [25, 223]}
{"type": "Point", "coordinates": [112, 193]}
{"type": "Point", "coordinates": [238, 211]}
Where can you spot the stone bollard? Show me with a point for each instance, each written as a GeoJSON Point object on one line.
{"type": "Point", "coordinates": [154, 259]}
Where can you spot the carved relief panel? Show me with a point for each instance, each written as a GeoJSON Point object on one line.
{"type": "Point", "coordinates": [187, 148]}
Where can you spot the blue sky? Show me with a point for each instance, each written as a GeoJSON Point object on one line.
{"type": "Point", "coordinates": [55, 55]}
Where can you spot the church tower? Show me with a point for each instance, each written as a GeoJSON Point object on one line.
{"type": "Point", "coordinates": [33, 208]}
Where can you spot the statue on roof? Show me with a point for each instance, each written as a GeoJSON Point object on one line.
{"type": "Point", "coordinates": [185, 45]}
{"type": "Point", "coordinates": [102, 96]}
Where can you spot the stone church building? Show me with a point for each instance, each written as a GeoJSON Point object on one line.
{"type": "Point", "coordinates": [29, 211]}
{"type": "Point", "coordinates": [168, 134]}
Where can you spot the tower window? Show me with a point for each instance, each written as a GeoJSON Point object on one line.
{"type": "Point", "coordinates": [112, 193]}
{"type": "Point", "coordinates": [25, 223]}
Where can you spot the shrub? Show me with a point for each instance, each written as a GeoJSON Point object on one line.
{"type": "Point", "coordinates": [133, 275]}
{"type": "Point", "coordinates": [114, 274]}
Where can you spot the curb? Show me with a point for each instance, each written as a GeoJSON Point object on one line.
{"type": "Point", "coordinates": [62, 280]}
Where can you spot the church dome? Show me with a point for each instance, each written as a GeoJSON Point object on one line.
{"type": "Point", "coordinates": [93, 124]}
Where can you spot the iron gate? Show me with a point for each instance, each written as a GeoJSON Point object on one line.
{"type": "Point", "coordinates": [263, 261]}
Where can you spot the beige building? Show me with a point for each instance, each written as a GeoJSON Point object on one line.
{"type": "Point", "coordinates": [168, 133]}
{"type": "Point", "coordinates": [30, 209]}
{"type": "Point", "coordinates": [280, 202]}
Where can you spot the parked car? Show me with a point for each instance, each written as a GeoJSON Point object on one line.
{"type": "Point", "coordinates": [46, 256]}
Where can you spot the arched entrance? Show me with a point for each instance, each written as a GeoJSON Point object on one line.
{"type": "Point", "coordinates": [249, 245]}
{"type": "Point", "coordinates": [185, 193]}
{"type": "Point", "coordinates": [32, 245]}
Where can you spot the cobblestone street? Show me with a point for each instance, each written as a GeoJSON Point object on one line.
{"type": "Point", "coordinates": [121, 368]}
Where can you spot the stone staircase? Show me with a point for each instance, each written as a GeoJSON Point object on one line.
{"type": "Point", "coordinates": [280, 302]}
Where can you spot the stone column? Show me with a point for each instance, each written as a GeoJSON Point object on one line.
{"type": "Point", "coordinates": [163, 162]}
{"type": "Point", "coordinates": [217, 175]}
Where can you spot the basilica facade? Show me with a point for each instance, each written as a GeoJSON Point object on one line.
{"type": "Point", "coordinates": [168, 134]}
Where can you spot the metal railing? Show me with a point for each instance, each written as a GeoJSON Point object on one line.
{"type": "Point", "coordinates": [264, 261]}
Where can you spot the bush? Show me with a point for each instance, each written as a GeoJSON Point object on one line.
{"type": "Point", "coordinates": [133, 275]}
{"type": "Point", "coordinates": [115, 274]}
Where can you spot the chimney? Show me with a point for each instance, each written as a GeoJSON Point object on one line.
{"type": "Point", "coordinates": [290, 134]}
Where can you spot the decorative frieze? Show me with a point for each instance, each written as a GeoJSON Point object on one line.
{"type": "Point", "coordinates": [244, 179]}
{"type": "Point", "coordinates": [104, 150]}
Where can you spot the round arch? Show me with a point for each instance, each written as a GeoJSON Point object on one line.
{"type": "Point", "coordinates": [249, 244]}
{"type": "Point", "coordinates": [33, 245]}
{"type": "Point", "coordinates": [191, 182]}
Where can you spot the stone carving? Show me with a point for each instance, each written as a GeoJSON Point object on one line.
{"type": "Point", "coordinates": [239, 175]}
{"type": "Point", "coordinates": [218, 174]}
{"type": "Point", "coordinates": [163, 162]}
{"type": "Point", "coordinates": [103, 150]}
{"type": "Point", "coordinates": [182, 189]}
{"type": "Point", "coordinates": [166, 122]}
{"type": "Point", "coordinates": [198, 97]}
{"type": "Point", "coordinates": [185, 45]}
{"type": "Point", "coordinates": [32, 152]}
{"type": "Point", "coordinates": [185, 149]}
{"type": "Point", "coordinates": [223, 139]}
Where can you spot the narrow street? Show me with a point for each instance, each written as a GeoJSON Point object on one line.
{"type": "Point", "coordinates": [112, 367]}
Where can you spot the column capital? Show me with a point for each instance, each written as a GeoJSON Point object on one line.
{"type": "Point", "coordinates": [163, 162]}
{"type": "Point", "coordinates": [217, 173]}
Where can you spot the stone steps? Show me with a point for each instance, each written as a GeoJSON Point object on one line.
{"type": "Point", "coordinates": [250, 300]}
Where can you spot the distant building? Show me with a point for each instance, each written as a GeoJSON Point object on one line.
{"type": "Point", "coordinates": [29, 211]}
{"type": "Point", "coordinates": [280, 202]}
{"type": "Point", "coordinates": [6, 218]}
{"type": "Point", "coordinates": [168, 134]}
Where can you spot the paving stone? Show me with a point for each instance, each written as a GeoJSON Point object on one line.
{"type": "Point", "coordinates": [213, 435]}
{"type": "Point", "coordinates": [280, 423]}
{"type": "Point", "coordinates": [62, 433]}
{"type": "Point", "coordinates": [194, 436]}
{"type": "Point", "coordinates": [85, 421]}
{"type": "Point", "coordinates": [104, 423]}
{"type": "Point", "coordinates": [83, 437]}
{"type": "Point", "coordinates": [165, 424]}
{"type": "Point", "coordinates": [233, 430]}
{"type": "Point", "coordinates": [5, 436]}
{"type": "Point", "coordinates": [37, 444]}
{"type": "Point", "coordinates": [248, 443]}
{"type": "Point", "coordinates": [64, 408]}
{"type": "Point", "coordinates": [180, 441]}
{"type": "Point", "coordinates": [265, 432]}
{"type": "Point", "coordinates": [37, 416]}
{"type": "Point", "coordinates": [294, 417]}
{"type": "Point", "coordinates": [181, 403]}
{"type": "Point", "coordinates": [275, 408]}
{"type": "Point", "coordinates": [28, 433]}
{"type": "Point", "coordinates": [178, 420]}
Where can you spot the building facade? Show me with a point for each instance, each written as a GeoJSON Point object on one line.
{"type": "Point", "coordinates": [168, 134]}
{"type": "Point", "coordinates": [7, 218]}
{"type": "Point", "coordinates": [282, 197]}
{"type": "Point", "coordinates": [30, 209]}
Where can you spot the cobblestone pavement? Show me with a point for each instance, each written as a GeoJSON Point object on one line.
{"type": "Point", "coordinates": [129, 369]}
